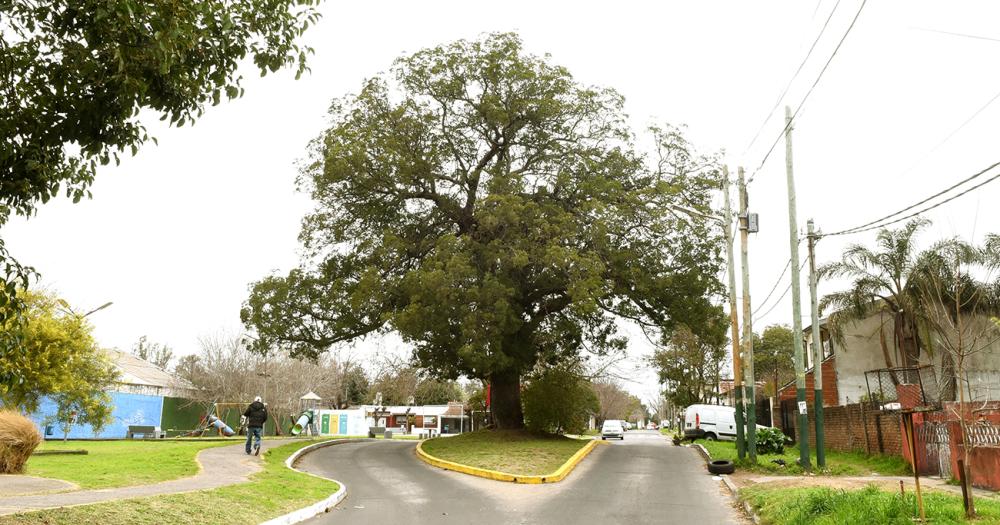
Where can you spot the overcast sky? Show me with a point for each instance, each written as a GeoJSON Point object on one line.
{"type": "Point", "coordinates": [175, 235]}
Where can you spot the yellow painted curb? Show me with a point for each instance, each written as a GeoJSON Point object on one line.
{"type": "Point", "coordinates": [556, 476]}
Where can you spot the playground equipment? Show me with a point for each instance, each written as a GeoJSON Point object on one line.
{"type": "Point", "coordinates": [221, 425]}
{"type": "Point", "coordinates": [215, 419]}
{"type": "Point", "coordinates": [308, 403]}
{"type": "Point", "coordinates": [304, 419]}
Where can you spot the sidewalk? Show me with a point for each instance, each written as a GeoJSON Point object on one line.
{"type": "Point", "coordinates": [852, 482]}
{"type": "Point", "coordinates": [219, 467]}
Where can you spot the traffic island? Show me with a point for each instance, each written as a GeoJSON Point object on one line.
{"type": "Point", "coordinates": [530, 454]}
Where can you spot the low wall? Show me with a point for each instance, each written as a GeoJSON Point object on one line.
{"type": "Point", "coordinates": [852, 428]}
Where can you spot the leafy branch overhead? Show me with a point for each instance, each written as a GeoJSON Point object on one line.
{"type": "Point", "coordinates": [496, 214]}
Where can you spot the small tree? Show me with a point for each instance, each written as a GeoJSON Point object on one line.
{"type": "Point", "coordinates": [613, 401]}
{"type": "Point", "coordinates": [157, 353]}
{"type": "Point", "coordinates": [689, 364]}
{"type": "Point", "coordinates": [558, 400]}
{"type": "Point", "coordinates": [772, 354]}
{"type": "Point", "coordinates": [957, 298]}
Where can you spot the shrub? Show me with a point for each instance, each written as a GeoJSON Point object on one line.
{"type": "Point", "coordinates": [771, 440]}
{"type": "Point", "coordinates": [557, 401]}
{"type": "Point", "coordinates": [18, 439]}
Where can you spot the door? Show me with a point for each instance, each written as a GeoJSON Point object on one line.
{"type": "Point", "coordinates": [343, 424]}
{"type": "Point", "coordinates": [326, 424]}
{"type": "Point", "coordinates": [727, 423]}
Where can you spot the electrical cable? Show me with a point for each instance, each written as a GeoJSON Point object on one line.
{"type": "Point", "coordinates": [811, 88]}
{"type": "Point", "coordinates": [773, 288]}
{"type": "Point", "coordinates": [794, 76]}
{"type": "Point", "coordinates": [878, 223]}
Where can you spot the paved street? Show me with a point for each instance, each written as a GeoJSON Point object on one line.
{"type": "Point", "coordinates": [643, 479]}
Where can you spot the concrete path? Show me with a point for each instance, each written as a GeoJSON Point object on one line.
{"type": "Point", "coordinates": [219, 467]}
{"type": "Point", "coordinates": [642, 479]}
{"type": "Point", "coordinates": [18, 485]}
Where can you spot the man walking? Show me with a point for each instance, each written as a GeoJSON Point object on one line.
{"type": "Point", "coordinates": [256, 415]}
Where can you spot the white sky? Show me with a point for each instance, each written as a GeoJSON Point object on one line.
{"type": "Point", "coordinates": [175, 235]}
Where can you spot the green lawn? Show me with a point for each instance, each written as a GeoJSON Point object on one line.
{"type": "Point", "coordinates": [274, 491]}
{"type": "Point", "coordinates": [120, 463]}
{"type": "Point", "coordinates": [870, 505]}
{"type": "Point", "coordinates": [511, 451]}
{"type": "Point", "coordinates": [837, 463]}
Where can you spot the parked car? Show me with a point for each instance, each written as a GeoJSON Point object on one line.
{"type": "Point", "coordinates": [612, 428]}
{"type": "Point", "coordinates": [712, 422]}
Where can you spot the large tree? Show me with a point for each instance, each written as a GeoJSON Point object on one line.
{"type": "Point", "coordinates": [495, 213]}
{"type": "Point", "coordinates": [76, 76]}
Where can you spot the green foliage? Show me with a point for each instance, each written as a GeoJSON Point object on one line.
{"type": "Point", "coordinates": [771, 440]}
{"type": "Point", "coordinates": [557, 401]}
{"type": "Point", "coordinates": [827, 506]}
{"type": "Point", "coordinates": [437, 392]}
{"type": "Point", "coordinates": [773, 355]}
{"type": "Point", "coordinates": [61, 360]}
{"type": "Point", "coordinates": [837, 463]}
{"type": "Point", "coordinates": [689, 364]}
{"type": "Point", "coordinates": [494, 213]}
{"type": "Point", "coordinates": [157, 353]}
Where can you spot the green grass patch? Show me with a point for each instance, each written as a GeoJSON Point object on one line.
{"type": "Point", "coordinates": [837, 463]}
{"type": "Point", "coordinates": [119, 463]}
{"type": "Point", "coordinates": [870, 505]}
{"type": "Point", "coordinates": [274, 491]}
{"type": "Point", "coordinates": [511, 451]}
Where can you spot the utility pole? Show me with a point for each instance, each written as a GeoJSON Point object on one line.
{"type": "Point", "coordinates": [817, 347]}
{"type": "Point", "coordinates": [734, 321]}
{"type": "Point", "coordinates": [802, 425]}
{"type": "Point", "coordinates": [749, 396]}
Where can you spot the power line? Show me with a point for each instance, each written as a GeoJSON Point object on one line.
{"type": "Point", "coordinates": [964, 35]}
{"type": "Point", "coordinates": [773, 288]}
{"type": "Point", "coordinates": [879, 224]}
{"type": "Point", "coordinates": [776, 303]}
{"type": "Point", "coordinates": [811, 88]}
{"type": "Point", "coordinates": [794, 76]}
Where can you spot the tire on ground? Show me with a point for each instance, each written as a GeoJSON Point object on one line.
{"type": "Point", "coordinates": [721, 466]}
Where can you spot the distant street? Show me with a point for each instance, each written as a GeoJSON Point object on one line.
{"type": "Point", "coordinates": [643, 479]}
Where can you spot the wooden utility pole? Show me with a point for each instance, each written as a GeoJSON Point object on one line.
{"type": "Point", "coordinates": [802, 426]}
{"type": "Point", "coordinates": [817, 347]}
{"type": "Point", "coordinates": [734, 321]}
{"type": "Point", "coordinates": [749, 396]}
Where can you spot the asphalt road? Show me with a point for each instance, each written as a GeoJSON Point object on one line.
{"type": "Point", "coordinates": [642, 479]}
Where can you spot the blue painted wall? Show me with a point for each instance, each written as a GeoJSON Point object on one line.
{"type": "Point", "coordinates": [129, 409]}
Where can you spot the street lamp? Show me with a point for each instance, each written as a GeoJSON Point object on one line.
{"type": "Point", "coordinates": [99, 308]}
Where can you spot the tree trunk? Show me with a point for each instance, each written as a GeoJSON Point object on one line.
{"type": "Point", "coordinates": [505, 402]}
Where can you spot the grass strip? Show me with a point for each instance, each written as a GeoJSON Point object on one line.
{"type": "Point", "coordinates": [837, 463]}
{"type": "Point", "coordinates": [870, 505]}
{"type": "Point", "coordinates": [119, 463]}
{"type": "Point", "coordinates": [272, 492]}
{"type": "Point", "coordinates": [511, 451]}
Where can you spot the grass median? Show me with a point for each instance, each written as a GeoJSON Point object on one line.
{"type": "Point", "coordinates": [870, 505]}
{"type": "Point", "coordinates": [119, 463]}
{"type": "Point", "coordinates": [837, 463]}
{"type": "Point", "coordinates": [511, 451]}
{"type": "Point", "coordinates": [272, 492]}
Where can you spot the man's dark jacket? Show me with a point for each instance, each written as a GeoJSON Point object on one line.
{"type": "Point", "coordinates": [256, 414]}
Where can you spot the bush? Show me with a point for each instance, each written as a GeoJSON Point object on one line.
{"type": "Point", "coordinates": [771, 440]}
{"type": "Point", "coordinates": [18, 439]}
{"type": "Point", "coordinates": [558, 401]}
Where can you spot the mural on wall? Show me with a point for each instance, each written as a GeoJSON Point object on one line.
{"type": "Point", "coordinates": [129, 409]}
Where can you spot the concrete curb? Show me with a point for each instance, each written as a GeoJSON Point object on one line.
{"type": "Point", "coordinates": [319, 507]}
{"type": "Point", "coordinates": [734, 492]}
{"type": "Point", "coordinates": [556, 476]}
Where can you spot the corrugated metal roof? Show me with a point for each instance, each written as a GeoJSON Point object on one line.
{"type": "Point", "coordinates": [136, 371]}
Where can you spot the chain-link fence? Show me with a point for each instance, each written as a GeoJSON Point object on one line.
{"type": "Point", "coordinates": [911, 388]}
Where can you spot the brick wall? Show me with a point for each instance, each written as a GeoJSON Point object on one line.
{"type": "Point", "coordinates": [852, 427]}
{"type": "Point", "coordinates": [829, 385]}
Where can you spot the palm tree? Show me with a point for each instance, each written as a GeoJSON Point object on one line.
{"type": "Point", "coordinates": [885, 280]}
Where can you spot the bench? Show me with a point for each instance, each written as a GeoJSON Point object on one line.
{"type": "Point", "coordinates": [146, 431]}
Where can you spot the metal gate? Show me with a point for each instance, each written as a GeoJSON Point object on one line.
{"type": "Point", "coordinates": [934, 457]}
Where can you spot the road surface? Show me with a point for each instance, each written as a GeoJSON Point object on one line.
{"type": "Point", "coordinates": [642, 479]}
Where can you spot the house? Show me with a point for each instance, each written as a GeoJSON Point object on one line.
{"type": "Point", "coordinates": [144, 395]}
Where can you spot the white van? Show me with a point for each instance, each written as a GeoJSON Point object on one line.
{"type": "Point", "coordinates": [712, 422]}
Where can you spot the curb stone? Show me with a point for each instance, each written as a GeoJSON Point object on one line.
{"type": "Point", "coordinates": [556, 476]}
{"type": "Point", "coordinates": [734, 492]}
{"type": "Point", "coordinates": [319, 507]}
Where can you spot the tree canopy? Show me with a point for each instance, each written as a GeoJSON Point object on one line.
{"type": "Point", "coordinates": [496, 214]}
{"type": "Point", "coordinates": [773, 353]}
{"type": "Point", "coordinates": [76, 76]}
{"type": "Point", "coordinates": [65, 364]}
